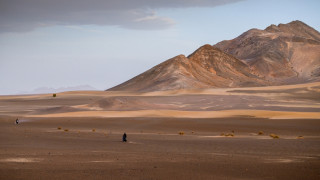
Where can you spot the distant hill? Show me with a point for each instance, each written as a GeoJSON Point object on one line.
{"type": "Point", "coordinates": [45, 90]}
{"type": "Point", "coordinates": [283, 54]}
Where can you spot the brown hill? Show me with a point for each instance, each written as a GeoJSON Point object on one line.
{"type": "Point", "coordinates": [206, 67]}
{"type": "Point", "coordinates": [284, 54]}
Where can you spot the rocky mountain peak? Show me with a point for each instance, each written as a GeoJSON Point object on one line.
{"type": "Point", "coordinates": [295, 28]}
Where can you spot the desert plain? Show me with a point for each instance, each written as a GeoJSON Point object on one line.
{"type": "Point", "coordinates": [221, 133]}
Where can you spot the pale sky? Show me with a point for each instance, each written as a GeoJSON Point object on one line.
{"type": "Point", "coordinates": [101, 43]}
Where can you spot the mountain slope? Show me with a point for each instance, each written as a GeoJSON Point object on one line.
{"type": "Point", "coordinates": [287, 53]}
{"type": "Point", "coordinates": [206, 67]}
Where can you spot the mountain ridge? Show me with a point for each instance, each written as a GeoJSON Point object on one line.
{"type": "Point", "coordinates": [278, 55]}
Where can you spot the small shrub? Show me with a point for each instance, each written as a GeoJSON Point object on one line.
{"type": "Point", "coordinates": [66, 130]}
{"type": "Point", "coordinates": [59, 128]}
{"type": "Point", "coordinates": [93, 130]}
{"type": "Point", "coordinates": [260, 133]}
{"type": "Point", "coordinates": [181, 133]}
{"type": "Point", "coordinates": [54, 95]}
{"type": "Point", "coordinates": [274, 136]}
{"type": "Point", "coordinates": [222, 134]}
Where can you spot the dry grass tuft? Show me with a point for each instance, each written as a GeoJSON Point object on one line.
{"type": "Point", "coordinates": [192, 132]}
{"type": "Point", "coordinates": [274, 136]}
{"type": "Point", "coordinates": [181, 133]}
{"type": "Point", "coordinates": [59, 128]}
{"type": "Point", "coordinates": [93, 130]}
{"type": "Point", "coordinates": [229, 135]}
{"type": "Point", "coordinates": [300, 137]}
{"type": "Point", "coordinates": [66, 130]}
{"type": "Point", "coordinates": [260, 133]}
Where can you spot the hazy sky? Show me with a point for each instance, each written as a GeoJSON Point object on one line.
{"type": "Point", "coordinates": [59, 43]}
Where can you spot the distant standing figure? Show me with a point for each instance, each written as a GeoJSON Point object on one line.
{"type": "Point", "coordinates": [124, 137]}
{"type": "Point", "coordinates": [17, 121]}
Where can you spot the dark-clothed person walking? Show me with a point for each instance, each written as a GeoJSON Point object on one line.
{"type": "Point", "coordinates": [124, 137]}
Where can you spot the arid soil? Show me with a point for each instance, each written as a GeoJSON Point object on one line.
{"type": "Point", "coordinates": [224, 134]}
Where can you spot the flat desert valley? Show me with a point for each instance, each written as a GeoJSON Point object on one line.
{"type": "Point", "coordinates": [222, 133]}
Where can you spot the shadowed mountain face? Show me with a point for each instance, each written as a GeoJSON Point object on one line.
{"type": "Point", "coordinates": [206, 67]}
{"type": "Point", "coordinates": [283, 54]}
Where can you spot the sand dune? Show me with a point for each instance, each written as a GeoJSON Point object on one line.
{"type": "Point", "coordinates": [200, 103]}
{"type": "Point", "coordinates": [189, 114]}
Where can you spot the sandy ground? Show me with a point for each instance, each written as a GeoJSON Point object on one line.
{"type": "Point", "coordinates": [37, 149]}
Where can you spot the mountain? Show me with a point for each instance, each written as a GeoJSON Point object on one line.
{"type": "Point", "coordinates": [206, 67]}
{"type": "Point", "coordinates": [283, 54]}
